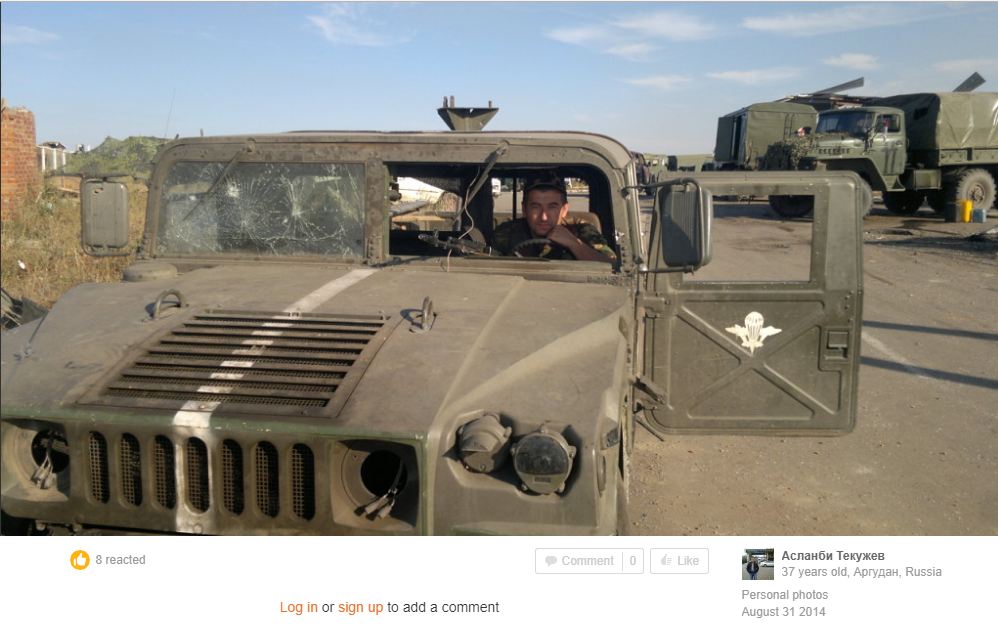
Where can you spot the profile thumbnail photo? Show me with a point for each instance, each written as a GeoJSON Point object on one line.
{"type": "Point", "coordinates": [758, 564]}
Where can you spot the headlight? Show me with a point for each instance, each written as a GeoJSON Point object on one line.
{"type": "Point", "coordinates": [543, 460]}
{"type": "Point", "coordinates": [483, 443]}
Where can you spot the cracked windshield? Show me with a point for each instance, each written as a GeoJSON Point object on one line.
{"type": "Point", "coordinates": [277, 209]}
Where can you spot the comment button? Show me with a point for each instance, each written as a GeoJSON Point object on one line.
{"type": "Point", "coordinates": [589, 560]}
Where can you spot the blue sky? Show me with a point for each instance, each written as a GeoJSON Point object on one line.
{"type": "Point", "coordinates": [653, 75]}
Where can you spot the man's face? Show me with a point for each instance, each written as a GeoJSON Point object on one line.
{"type": "Point", "coordinates": [544, 210]}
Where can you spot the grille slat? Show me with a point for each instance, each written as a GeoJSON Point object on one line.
{"type": "Point", "coordinates": [167, 397]}
{"type": "Point", "coordinates": [218, 387]}
{"type": "Point", "coordinates": [171, 360]}
{"type": "Point", "coordinates": [215, 378]}
{"type": "Point", "coordinates": [164, 472]}
{"type": "Point", "coordinates": [233, 497]}
{"type": "Point", "coordinates": [267, 491]}
{"type": "Point", "coordinates": [248, 359]}
{"type": "Point", "coordinates": [366, 329]}
{"type": "Point", "coordinates": [100, 488]}
{"type": "Point", "coordinates": [130, 462]}
{"type": "Point", "coordinates": [198, 495]}
{"type": "Point", "coordinates": [264, 343]}
{"type": "Point", "coordinates": [256, 373]}
{"type": "Point", "coordinates": [303, 481]}
{"type": "Point", "coordinates": [246, 352]}
{"type": "Point", "coordinates": [255, 333]}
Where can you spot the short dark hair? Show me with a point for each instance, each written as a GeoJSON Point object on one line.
{"type": "Point", "coordinates": [547, 183]}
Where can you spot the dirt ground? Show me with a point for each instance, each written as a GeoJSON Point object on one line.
{"type": "Point", "coordinates": [923, 459]}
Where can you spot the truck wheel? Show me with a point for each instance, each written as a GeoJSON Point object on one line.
{"type": "Point", "coordinates": [976, 185]}
{"type": "Point", "coordinates": [865, 211]}
{"type": "Point", "coordinates": [903, 203]}
{"type": "Point", "coordinates": [792, 206]}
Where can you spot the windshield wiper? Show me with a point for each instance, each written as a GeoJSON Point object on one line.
{"type": "Point", "coordinates": [484, 175]}
{"type": "Point", "coordinates": [218, 180]}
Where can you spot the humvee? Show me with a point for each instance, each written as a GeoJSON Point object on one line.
{"type": "Point", "coordinates": [291, 355]}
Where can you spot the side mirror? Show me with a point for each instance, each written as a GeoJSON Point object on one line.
{"type": "Point", "coordinates": [685, 211]}
{"type": "Point", "coordinates": [104, 218]}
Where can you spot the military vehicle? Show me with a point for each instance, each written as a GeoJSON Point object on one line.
{"type": "Point", "coordinates": [662, 167]}
{"type": "Point", "coordinates": [940, 146]}
{"type": "Point", "coordinates": [744, 136]}
{"type": "Point", "coordinates": [284, 357]}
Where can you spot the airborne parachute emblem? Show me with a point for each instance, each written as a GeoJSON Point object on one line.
{"type": "Point", "coordinates": [753, 333]}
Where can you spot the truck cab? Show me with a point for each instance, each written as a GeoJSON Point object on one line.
{"type": "Point", "coordinates": [867, 140]}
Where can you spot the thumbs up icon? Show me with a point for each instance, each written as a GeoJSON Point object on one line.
{"type": "Point", "coordinates": [80, 560]}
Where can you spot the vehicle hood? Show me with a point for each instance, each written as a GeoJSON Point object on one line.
{"type": "Point", "coordinates": [821, 142]}
{"type": "Point", "coordinates": [540, 348]}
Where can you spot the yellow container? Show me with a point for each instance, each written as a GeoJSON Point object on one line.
{"type": "Point", "coordinates": [966, 210]}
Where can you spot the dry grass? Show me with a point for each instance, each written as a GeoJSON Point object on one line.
{"type": "Point", "coordinates": [44, 237]}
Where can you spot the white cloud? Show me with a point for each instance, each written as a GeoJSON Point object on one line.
{"type": "Point", "coordinates": [671, 25]}
{"type": "Point", "coordinates": [967, 66]}
{"type": "Point", "coordinates": [579, 34]}
{"type": "Point", "coordinates": [24, 35]}
{"type": "Point", "coordinates": [755, 77]}
{"type": "Point", "coordinates": [348, 24]}
{"type": "Point", "coordinates": [634, 52]}
{"type": "Point", "coordinates": [853, 61]}
{"type": "Point", "coordinates": [837, 20]}
{"type": "Point", "coordinates": [663, 82]}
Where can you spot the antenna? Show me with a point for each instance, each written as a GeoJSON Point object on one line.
{"type": "Point", "coordinates": [166, 131]}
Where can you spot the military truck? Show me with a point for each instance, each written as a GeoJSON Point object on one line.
{"type": "Point", "coordinates": [937, 146]}
{"type": "Point", "coordinates": [663, 167]}
{"type": "Point", "coordinates": [285, 358]}
{"type": "Point", "coordinates": [744, 136]}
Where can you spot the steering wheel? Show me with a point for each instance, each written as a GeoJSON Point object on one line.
{"type": "Point", "coordinates": [531, 242]}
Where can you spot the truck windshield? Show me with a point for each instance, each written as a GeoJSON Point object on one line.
{"type": "Point", "coordinates": [271, 209]}
{"type": "Point", "coordinates": [851, 122]}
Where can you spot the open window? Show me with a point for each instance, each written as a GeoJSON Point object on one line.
{"type": "Point", "coordinates": [431, 204]}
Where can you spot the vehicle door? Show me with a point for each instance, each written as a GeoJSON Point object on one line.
{"type": "Point", "coordinates": [887, 143]}
{"type": "Point", "coordinates": [759, 356]}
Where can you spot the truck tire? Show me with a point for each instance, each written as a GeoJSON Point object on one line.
{"type": "Point", "coordinates": [865, 211]}
{"type": "Point", "coordinates": [903, 203]}
{"type": "Point", "coordinates": [976, 185]}
{"type": "Point", "coordinates": [792, 206]}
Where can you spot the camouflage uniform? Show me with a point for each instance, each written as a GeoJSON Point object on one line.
{"type": "Point", "coordinates": [512, 232]}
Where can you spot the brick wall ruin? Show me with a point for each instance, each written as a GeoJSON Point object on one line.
{"type": "Point", "coordinates": [20, 178]}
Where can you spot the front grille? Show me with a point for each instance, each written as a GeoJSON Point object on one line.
{"type": "Point", "coordinates": [251, 362]}
{"type": "Point", "coordinates": [234, 482]}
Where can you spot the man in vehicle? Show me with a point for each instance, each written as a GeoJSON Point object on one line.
{"type": "Point", "coordinates": [546, 229]}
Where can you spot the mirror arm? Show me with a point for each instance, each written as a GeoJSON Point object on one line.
{"type": "Point", "coordinates": [644, 270]}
